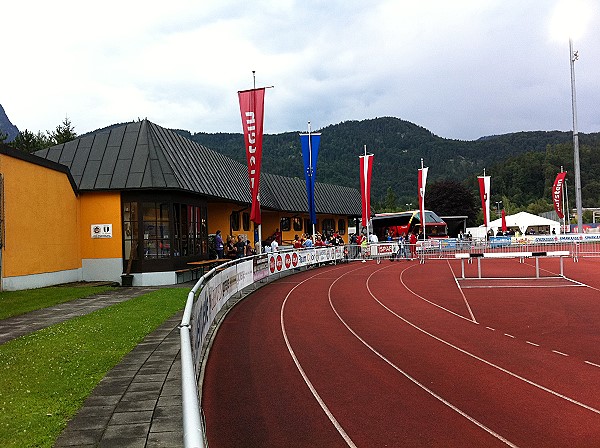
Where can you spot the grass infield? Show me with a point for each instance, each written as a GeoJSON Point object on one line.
{"type": "Point", "coordinates": [15, 303]}
{"type": "Point", "coordinates": [47, 375]}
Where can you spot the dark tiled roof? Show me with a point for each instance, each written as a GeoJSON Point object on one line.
{"type": "Point", "coordinates": [143, 155]}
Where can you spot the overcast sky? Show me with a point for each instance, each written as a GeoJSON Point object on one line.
{"type": "Point", "coordinates": [462, 68]}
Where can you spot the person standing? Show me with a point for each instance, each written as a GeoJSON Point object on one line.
{"type": "Point", "coordinates": [413, 245]}
{"type": "Point", "coordinates": [219, 244]}
{"type": "Point", "coordinates": [274, 245]}
{"type": "Point", "coordinates": [240, 247]}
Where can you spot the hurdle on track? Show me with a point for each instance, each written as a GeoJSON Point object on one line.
{"type": "Point", "coordinates": [521, 255]}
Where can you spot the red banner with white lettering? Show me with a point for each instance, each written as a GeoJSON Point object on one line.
{"type": "Point", "coordinates": [366, 167]}
{"type": "Point", "coordinates": [421, 183]}
{"type": "Point", "coordinates": [557, 193]}
{"type": "Point", "coordinates": [252, 109]}
{"type": "Point", "coordinates": [484, 192]}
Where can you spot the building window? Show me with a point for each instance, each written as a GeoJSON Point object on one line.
{"type": "Point", "coordinates": [297, 224]}
{"type": "Point", "coordinates": [130, 230]}
{"type": "Point", "coordinates": [342, 226]}
{"type": "Point", "coordinates": [155, 225]}
{"type": "Point", "coordinates": [284, 224]}
{"type": "Point", "coordinates": [328, 226]}
{"type": "Point", "coordinates": [234, 221]}
{"type": "Point", "coordinates": [308, 228]}
{"type": "Point", "coordinates": [246, 221]}
{"type": "Point", "coordinates": [191, 230]}
{"type": "Point", "coordinates": [159, 234]}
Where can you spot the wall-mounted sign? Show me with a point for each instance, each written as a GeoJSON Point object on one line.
{"type": "Point", "coordinates": [101, 230]}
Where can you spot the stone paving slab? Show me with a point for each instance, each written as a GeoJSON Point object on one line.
{"type": "Point", "coordinates": [138, 403]}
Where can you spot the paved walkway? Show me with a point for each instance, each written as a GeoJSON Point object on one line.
{"type": "Point", "coordinates": [138, 403]}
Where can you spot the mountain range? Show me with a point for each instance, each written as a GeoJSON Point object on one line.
{"type": "Point", "coordinates": [6, 127]}
{"type": "Point", "coordinates": [522, 164]}
{"type": "Point", "coordinates": [399, 148]}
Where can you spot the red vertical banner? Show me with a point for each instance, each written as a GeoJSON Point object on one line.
{"type": "Point", "coordinates": [484, 192]}
{"type": "Point", "coordinates": [557, 193]}
{"type": "Point", "coordinates": [366, 167]}
{"type": "Point", "coordinates": [252, 110]}
{"type": "Point", "coordinates": [422, 182]}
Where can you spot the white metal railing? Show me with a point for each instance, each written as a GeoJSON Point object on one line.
{"type": "Point", "coordinates": [446, 248]}
{"type": "Point", "coordinates": [209, 300]}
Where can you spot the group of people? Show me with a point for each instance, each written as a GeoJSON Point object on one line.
{"type": "Point", "coordinates": [232, 247]}
{"type": "Point", "coordinates": [320, 240]}
{"type": "Point", "coordinates": [407, 244]}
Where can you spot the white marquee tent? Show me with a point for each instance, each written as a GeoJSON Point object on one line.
{"type": "Point", "coordinates": [526, 222]}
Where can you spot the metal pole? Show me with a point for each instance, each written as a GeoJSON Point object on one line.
{"type": "Point", "coordinates": [368, 211]}
{"type": "Point", "coordinates": [568, 212]}
{"type": "Point", "coordinates": [573, 56]}
{"type": "Point", "coordinates": [310, 174]}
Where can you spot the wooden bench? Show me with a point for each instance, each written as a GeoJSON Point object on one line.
{"type": "Point", "coordinates": [197, 269]}
{"type": "Point", "coordinates": [186, 275]}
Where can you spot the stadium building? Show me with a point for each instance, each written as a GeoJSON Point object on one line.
{"type": "Point", "coordinates": [139, 199]}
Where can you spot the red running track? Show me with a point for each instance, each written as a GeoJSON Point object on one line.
{"type": "Point", "coordinates": [403, 354]}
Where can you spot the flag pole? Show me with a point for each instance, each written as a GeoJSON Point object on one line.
{"type": "Point", "coordinates": [368, 212]}
{"type": "Point", "coordinates": [567, 210]}
{"type": "Point", "coordinates": [562, 200]}
{"type": "Point", "coordinates": [310, 175]}
{"type": "Point", "coordinates": [484, 211]}
{"type": "Point", "coordinates": [259, 251]}
{"type": "Point", "coordinates": [423, 219]}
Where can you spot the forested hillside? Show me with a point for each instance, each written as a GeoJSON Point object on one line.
{"type": "Point", "coordinates": [522, 165]}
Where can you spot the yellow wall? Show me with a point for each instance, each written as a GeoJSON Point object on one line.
{"type": "Point", "coordinates": [41, 220]}
{"type": "Point", "coordinates": [101, 208]}
{"type": "Point", "coordinates": [218, 219]}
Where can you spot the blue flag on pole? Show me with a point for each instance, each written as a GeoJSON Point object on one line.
{"type": "Point", "coordinates": [310, 151]}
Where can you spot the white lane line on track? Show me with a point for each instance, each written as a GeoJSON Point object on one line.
{"type": "Point", "coordinates": [532, 343]}
{"type": "Point", "coordinates": [413, 380]}
{"type": "Point", "coordinates": [509, 335]}
{"type": "Point", "coordinates": [333, 420]}
{"type": "Point", "coordinates": [521, 286]}
{"type": "Point", "coordinates": [489, 363]}
{"type": "Point", "coordinates": [462, 293]}
{"type": "Point", "coordinates": [429, 301]}
{"type": "Point", "coordinates": [490, 328]}
{"type": "Point", "coordinates": [592, 363]}
{"type": "Point", "coordinates": [559, 353]}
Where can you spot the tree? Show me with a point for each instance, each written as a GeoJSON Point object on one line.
{"type": "Point", "coordinates": [390, 200]}
{"type": "Point", "coordinates": [29, 142]}
{"type": "Point", "coordinates": [65, 132]}
{"type": "Point", "coordinates": [451, 198]}
{"type": "Point", "coordinates": [3, 137]}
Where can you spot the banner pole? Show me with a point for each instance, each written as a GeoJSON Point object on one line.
{"type": "Point", "coordinates": [368, 212]}
{"type": "Point", "coordinates": [310, 175]}
{"type": "Point", "coordinates": [260, 250]}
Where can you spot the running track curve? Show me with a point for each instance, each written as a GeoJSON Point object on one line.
{"type": "Point", "coordinates": [405, 355]}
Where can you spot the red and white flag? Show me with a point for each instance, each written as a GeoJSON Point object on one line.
{"type": "Point", "coordinates": [366, 167]}
{"type": "Point", "coordinates": [252, 110]}
{"type": "Point", "coordinates": [557, 193]}
{"type": "Point", "coordinates": [422, 181]}
{"type": "Point", "coordinates": [484, 192]}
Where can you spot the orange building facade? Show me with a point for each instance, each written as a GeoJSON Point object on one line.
{"type": "Point", "coordinates": [57, 228]}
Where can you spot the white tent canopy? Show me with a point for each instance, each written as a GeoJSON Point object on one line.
{"type": "Point", "coordinates": [526, 222]}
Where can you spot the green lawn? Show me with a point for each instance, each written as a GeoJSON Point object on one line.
{"type": "Point", "coordinates": [46, 376]}
{"type": "Point", "coordinates": [14, 303]}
